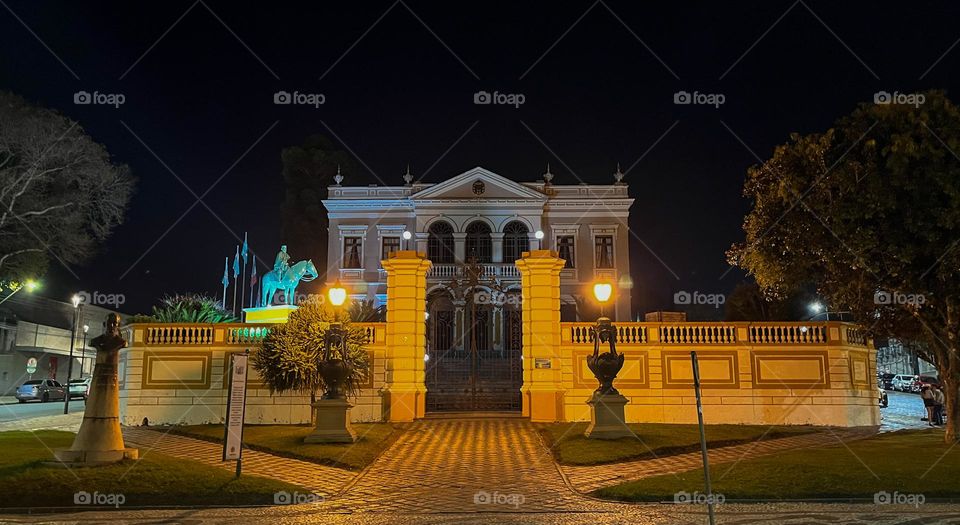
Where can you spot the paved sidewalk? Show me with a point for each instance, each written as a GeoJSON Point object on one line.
{"type": "Point", "coordinates": [589, 478]}
{"type": "Point", "coordinates": [319, 479]}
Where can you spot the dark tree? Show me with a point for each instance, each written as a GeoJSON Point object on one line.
{"type": "Point", "coordinates": [60, 193]}
{"type": "Point", "coordinates": [308, 170]}
{"type": "Point", "coordinates": [870, 211]}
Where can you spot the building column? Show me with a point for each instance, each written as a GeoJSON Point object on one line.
{"type": "Point", "coordinates": [542, 390]}
{"type": "Point", "coordinates": [420, 239]}
{"type": "Point", "coordinates": [404, 390]}
{"type": "Point", "coordinates": [460, 246]}
{"type": "Point", "coordinates": [496, 247]}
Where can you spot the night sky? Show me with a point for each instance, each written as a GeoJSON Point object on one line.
{"type": "Point", "coordinates": [598, 78]}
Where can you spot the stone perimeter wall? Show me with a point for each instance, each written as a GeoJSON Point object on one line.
{"type": "Point", "coordinates": [175, 375]}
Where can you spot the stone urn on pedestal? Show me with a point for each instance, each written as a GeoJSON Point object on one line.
{"type": "Point", "coordinates": [99, 440]}
{"type": "Point", "coordinates": [607, 419]}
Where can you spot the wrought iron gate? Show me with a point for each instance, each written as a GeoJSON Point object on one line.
{"type": "Point", "coordinates": [473, 375]}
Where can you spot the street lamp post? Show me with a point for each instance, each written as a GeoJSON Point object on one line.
{"type": "Point", "coordinates": [73, 337]}
{"type": "Point", "coordinates": [83, 347]}
{"type": "Point", "coordinates": [406, 239]}
{"type": "Point", "coordinates": [539, 236]}
{"type": "Point", "coordinates": [607, 419]}
{"type": "Point", "coordinates": [332, 410]}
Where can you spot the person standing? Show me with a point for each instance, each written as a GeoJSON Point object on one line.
{"type": "Point", "coordinates": [926, 394]}
{"type": "Point", "coordinates": [938, 400]}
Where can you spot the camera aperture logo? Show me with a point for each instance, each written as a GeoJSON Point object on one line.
{"type": "Point", "coordinates": [296, 498]}
{"type": "Point", "coordinates": [483, 497]}
{"type": "Point", "coordinates": [97, 498]}
{"type": "Point", "coordinates": [698, 498]}
{"type": "Point", "coordinates": [497, 298]}
{"type": "Point", "coordinates": [694, 298]}
{"type": "Point", "coordinates": [898, 498]}
{"type": "Point", "coordinates": [497, 98]}
{"type": "Point", "coordinates": [97, 98]}
{"type": "Point", "coordinates": [299, 99]}
{"type": "Point", "coordinates": [907, 99]}
{"type": "Point", "coordinates": [97, 298]}
{"type": "Point", "coordinates": [699, 99]}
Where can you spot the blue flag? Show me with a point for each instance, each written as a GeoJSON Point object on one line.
{"type": "Point", "coordinates": [226, 278]}
{"type": "Point", "coordinates": [243, 252]}
{"type": "Point", "coordinates": [236, 264]}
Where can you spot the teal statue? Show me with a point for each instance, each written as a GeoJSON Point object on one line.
{"type": "Point", "coordinates": [285, 277]}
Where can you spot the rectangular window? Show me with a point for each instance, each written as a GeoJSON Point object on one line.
{"type": "Point", "coordinates": [351, 252]}
{"type": "Point", "coordinates": [565, 250]}
{"type": "Point", "coordinates": [604, 247]}
{"type": "Point", "coordinates": [390, 245]}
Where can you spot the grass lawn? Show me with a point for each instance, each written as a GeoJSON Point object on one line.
{"type": "Point", "coordinates": [155, 480]}
{"type": "Point", "coordinates": [900, 460]}
{"type": "Point", "coordinates": [287, 441]}
{"type": "Point", "coordinates": [570, 447]}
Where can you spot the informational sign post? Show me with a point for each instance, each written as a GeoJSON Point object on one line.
{"type": "Point", "coordinates": [236, 408]}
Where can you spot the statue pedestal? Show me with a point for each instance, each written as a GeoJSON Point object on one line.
{"type": "Point", "coordinates": [606, 417]}
{"type": "Point", "coordinates": [333, 422]}
{"type": "Point", "coordinates": [99, 440]}
{"type": "Point", "coordinates": [269, 314]}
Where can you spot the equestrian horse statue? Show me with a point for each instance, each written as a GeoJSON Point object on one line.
{"type": "Point", "coordinates": [286, 279]}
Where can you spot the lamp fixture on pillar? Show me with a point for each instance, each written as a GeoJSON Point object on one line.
{"type": "Point", "coordinates": [332, 411]}
{"type": "Point", "coordinates": [539, 236]}
{"type": "Point", "coordinates": [606, 405]}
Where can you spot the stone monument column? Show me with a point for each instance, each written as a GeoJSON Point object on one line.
{"type": "Point", "coordinates": [99, 440]}
{"type": "Point", "coordinates": [542, 372]}
{"type": "Point", "coordinates": [405, 392]}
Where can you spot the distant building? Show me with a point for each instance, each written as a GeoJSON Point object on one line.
{"type": "Point", "coordinates": [34, 327]}
{"type": "Point", "coordinates": [895, 358]}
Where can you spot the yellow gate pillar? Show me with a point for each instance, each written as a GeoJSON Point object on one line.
{"type": "Point", "coordinates": [404, 392]}
{"type": "Point", "coordinates": [542, 390]}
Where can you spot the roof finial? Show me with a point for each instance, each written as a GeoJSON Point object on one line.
{"type": "Point", "coordinates": [547, 176]}
{"type": "Point", "coordinates": [408, 177]}
{"type": "Point", "coordinates": [618, 175]}
{"type": "Point", "coordinates": [338, 178]}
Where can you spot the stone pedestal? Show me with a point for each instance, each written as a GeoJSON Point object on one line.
{"type": "Point", "coordinates": [333, 422]}
{"type": "Point", "coordinates": [606, 417]}
{"type": "Point", "coordinates": [275, 314]}
{"type": "Point", "coordinates": [99, 440]}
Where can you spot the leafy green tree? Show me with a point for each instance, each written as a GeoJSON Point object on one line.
{"type": "Point", "coordinates": [289, 356]}
{"type": "Point", "coordinates": [869, 210]}
{"type": "Point", "coordinates": [308, 170]}
{"type": "Point", "coordinates": [187, 308]}
{"type": "Point", "coordinates": [365, 312]}
{"type": "Point", "coordinates": [747, 302]}
{"type": "Point", "coordinates": [60, 193]}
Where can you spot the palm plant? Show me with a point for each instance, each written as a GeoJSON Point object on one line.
{"type": "Point", "coordinates": [291, 356]}
{"type": "Point", "coordinates": [188, 308]}
{"type": "Point", "coordinates": [365, 312]}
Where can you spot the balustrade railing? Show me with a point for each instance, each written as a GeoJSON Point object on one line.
{"type": "Point", "coordinates": [787, 333]}
{"type": "Point", "coordinates": [690, 333]}
{"type": "Point", "coordinates": [233, 334]}
{"type": "Point", "coordinates": [451, 271]}
{"type": "Point", "coordinates": [183, 335]}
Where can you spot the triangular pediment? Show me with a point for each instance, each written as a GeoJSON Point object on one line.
{"type": "Point", "coordinates": [478, 183]}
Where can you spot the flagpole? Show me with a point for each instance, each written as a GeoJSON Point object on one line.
{"type": "Point", "coordinates": [235, 260]}
{"type": "Point", "coordinates": [226, 281]}
{"type": "Point", "coordinates": [253, 275]}
{"type": "Point", "coordinates": [243, 276]}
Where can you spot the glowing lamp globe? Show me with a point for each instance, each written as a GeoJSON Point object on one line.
{"type": "Point", "coordinates": [31, 285]}
{"type": "Point", "coordinates": [602, 291]}
{"type": "Point", "coordinates": [407, 235]}
{"type": "Point", "coordinates": [538, 235]}
{"type": "Point", "coordinates": [337, 294]}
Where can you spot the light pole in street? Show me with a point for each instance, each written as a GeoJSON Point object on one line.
{"type": "Point", "coordinates": [73, 338]}
{"type": "Point", "coordinates": [83, 347]}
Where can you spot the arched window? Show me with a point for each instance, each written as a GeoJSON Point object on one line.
{"type": "Point", "coordinates": [440, 243]}
{"type": "Point", "coordinates": [479, 244]}
{"type": "Point", "coordinates": [516, 240]}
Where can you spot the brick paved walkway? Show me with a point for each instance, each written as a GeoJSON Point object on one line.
{"type": "Point", "coordinates": [590, 478]}
{"type": "Point", "coordinates": [320, 479]}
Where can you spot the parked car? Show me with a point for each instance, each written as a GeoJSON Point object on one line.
{"type": "Point", "coordinates": [903, 382]}
{"type": "Point", "coordinates": [80, 388]}
{"type": "Point", "coordinates": [885, 381]}
{"type": "Point", "coordinates": [920, 381]}
{"type": "Point", "coordinates": [882, 400]}
{"type": "Point", "coordinates": [39, 389]}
